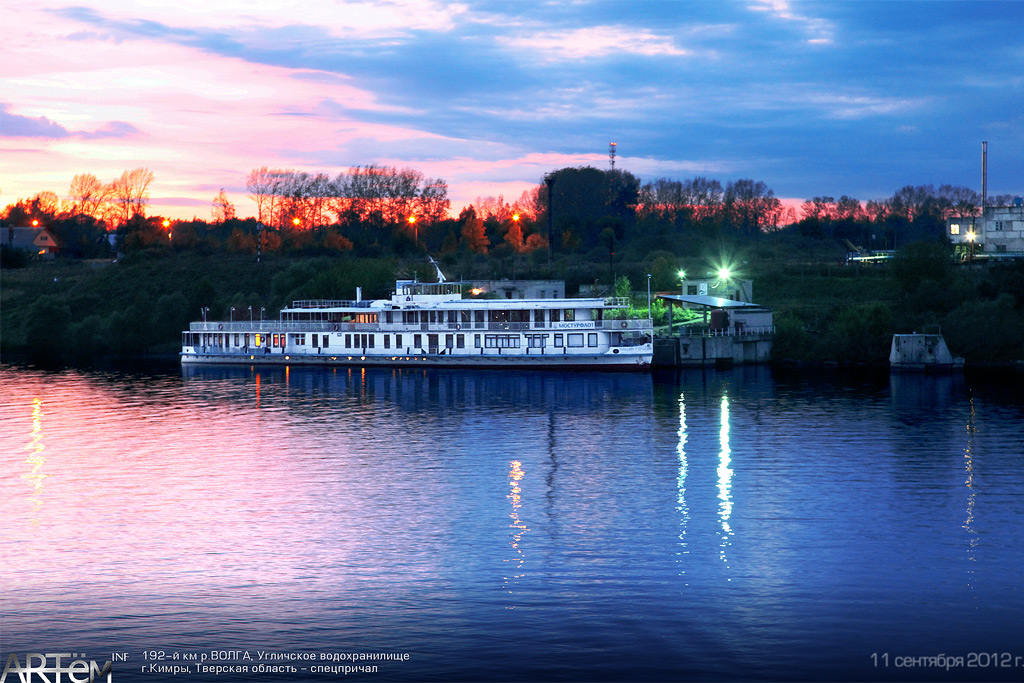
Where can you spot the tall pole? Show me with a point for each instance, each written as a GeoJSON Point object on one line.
{"type": "Point", "coordinates": [259, 240]}
{"type": "Point", "coordinates": [984, 176]}
{"type": "Point", "coordinates": [549, 179]}
{"type": "Point", "coordinates": [650, 316]}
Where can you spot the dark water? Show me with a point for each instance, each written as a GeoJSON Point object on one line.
{"type": "Point", "coordinates": [515, 526]}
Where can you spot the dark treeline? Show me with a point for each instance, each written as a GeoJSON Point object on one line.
{"type": "Point", "coordinates": [601, 215]}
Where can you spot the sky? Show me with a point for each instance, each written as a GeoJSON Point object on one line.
{"type": "Point", "coordinates": [813, 98]}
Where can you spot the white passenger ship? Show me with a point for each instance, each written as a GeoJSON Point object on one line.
{"type": "Point", "coordinates": [431, 324]}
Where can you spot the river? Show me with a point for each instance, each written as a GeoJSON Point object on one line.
{"type": "Point", "coordinates": [458, 525]}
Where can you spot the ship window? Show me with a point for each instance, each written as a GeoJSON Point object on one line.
{"type": "Point", "coordinates": [325, 341]}
{"type": "Point", "coordinates": [348, 341]}
{"type": "Point", "coordinates": [460, 341]}
{"type": "Point", "coordinates": [476, 340]}
{"type": "Point", "coordinates": [954, 228]}
{"type": "Point", "coordinates": [556, 315]}
{"type": "Point", "coordinates": [592, 339]}
{"type": "Point", "coordinates": [398, 341]}
{"type": "Point", "coordinates": [316, 340]}
{"type": "Point", "coordinates": [387, 341]}
{"type": "Point", "coordinates": [449, 341]}
{"type": "Point", "coordinates": [259, 340]}
{"type": "Point", "coordinates": [501, 341]}
{"type": "Point", "coordinates": [371, 339]}
{"type": "Point", "coordinates": [536, 341]}
{"type": "Point", "coordinates": [570, 315]}
{"type": "Point", "coordinates": [417, 340]}
{"type": "Point", "coordinates": [575, 339]}
{"type": "Point", "coordinates": [559, 339]}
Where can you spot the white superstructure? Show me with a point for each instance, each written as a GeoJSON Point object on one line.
{"type": "Point", "coordinates": [432, 324]}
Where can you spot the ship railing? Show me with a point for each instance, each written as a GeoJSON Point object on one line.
{"type": "Point", "coordinates": [731, 331]}
{"type": "Point", "coordinates": [330, 303]}
{"type": "Point", "coordinates": [264, 326]}
{"type": "Point", "coordinates": [617, 301]}
{"type": "Point", "coordinates": [279, 326]}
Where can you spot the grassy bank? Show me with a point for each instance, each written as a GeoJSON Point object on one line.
{"type": "Point", "coordinates": [823, 311]}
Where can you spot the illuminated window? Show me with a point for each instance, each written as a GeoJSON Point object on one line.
{"type": "Point", "coordinates": [954, 228]}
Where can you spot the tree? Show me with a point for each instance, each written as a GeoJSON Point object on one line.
{"type": "Point", "coordinates": [130, 193]}
{"type": "Point", "coordinates": [261, 184]}
{"type": "Point", "coordinates": [88, 195]}
{"type": "Point", "coordinates": [473, 234]}
{"type": "Point", "coordinates": [223, 210]}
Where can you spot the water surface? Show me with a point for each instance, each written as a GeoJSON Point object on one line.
{"type": "Point", "coordinates": [513, 525]}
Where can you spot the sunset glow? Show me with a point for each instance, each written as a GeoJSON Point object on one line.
{"type": "Point", "coordinates": [814, 98]}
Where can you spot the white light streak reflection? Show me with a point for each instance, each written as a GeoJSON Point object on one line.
{"type": "Point", "coordinates": [681, 506]}
{"type": "Point", "coordinates": [972, 535]}
{"type": "Point", "coordinates": [518, 527]}
{"type": "Point", "coordinates": [35, 459]}
{"type": "Point", "coordinates": [724, 482]}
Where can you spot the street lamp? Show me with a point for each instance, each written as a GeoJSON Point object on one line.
{"type": "Point", "coordinates": [262, 310]}
{"type": "Point", "coordinates": [415, 229]}
{"type": "Point", "coordinates": [970, 238]}
{"type": "Point", "coordinates": [682, 282]}
{"type": "Point", "coordinates": [250, 314]}
{"type": "Point", "coordinates": [232, 318]}
{"type": "Point", "coordinates": [204, 310]}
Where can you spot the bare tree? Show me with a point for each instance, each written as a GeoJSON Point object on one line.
{"type": "Point", "coordinates": [88, 195]}
{"type": "Point", "coordinates": [130, 193]}
{"type": "Point", "coordinates": [223, 209]}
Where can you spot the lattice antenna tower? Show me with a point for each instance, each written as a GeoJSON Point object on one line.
{"type": "Point", "coordinates": [611, 153]}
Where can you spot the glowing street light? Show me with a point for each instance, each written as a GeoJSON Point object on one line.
{"type": "Point", "coordinates": [723, 273]}
{"type": "Point", "coordinates": [682, 282]}
{"type": "Point", "coordinates": [296, 221]}
{"type": "Point", "coordinates": [415, 229]}
{"type": "Point", "coordinates": [970, 238]}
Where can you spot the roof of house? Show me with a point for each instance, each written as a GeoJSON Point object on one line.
{"type": "Point", "coordinates": [28, 238]}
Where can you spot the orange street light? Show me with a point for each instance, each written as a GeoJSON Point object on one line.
{"type": "Point", "coordinates": [296, 221]}
{"type": "Point", "coordinates": [415, 229]}
{"type": "Point", "coordinates": [35, 222]}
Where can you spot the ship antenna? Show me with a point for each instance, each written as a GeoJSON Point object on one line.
{"type": "Point", "coordinates": [440, 275]}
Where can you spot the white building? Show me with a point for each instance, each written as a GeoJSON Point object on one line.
{"type": "Point", "coordinates": [999, 231]}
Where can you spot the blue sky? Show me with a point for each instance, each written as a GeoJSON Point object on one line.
{"type": "Point", "coordinates": [856, 98]}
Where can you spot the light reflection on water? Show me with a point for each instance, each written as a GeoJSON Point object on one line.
{"type": "Point", "coordinates": [706, 525]}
